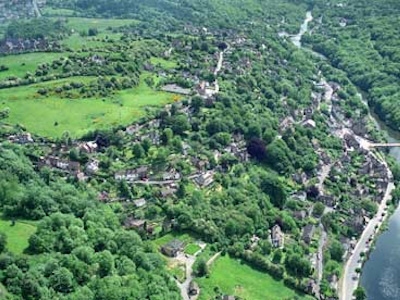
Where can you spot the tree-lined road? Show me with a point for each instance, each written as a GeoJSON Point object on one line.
{"type": "Point", "coordinates": [350, 278]}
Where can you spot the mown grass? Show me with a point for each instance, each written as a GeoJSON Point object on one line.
{"type": "Point", "coordinates": [52, 116]}
{"type": "Point", "coordinates": [17, 235]}
{"type": "Point", "coordinates": [164, 63]}
{"type": "Point", "coordinates": [234, 278]}
{"type": "Point", "coordinates": [191, 249]}
{"type": "Point", "coordinates": [184, 237]}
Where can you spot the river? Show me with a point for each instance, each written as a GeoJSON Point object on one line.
{"type": "Point", "coordinates": [381, 273]}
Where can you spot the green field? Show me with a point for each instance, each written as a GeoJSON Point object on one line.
{"type": "Point", "coordinates": [234, 278]}
{"type": "Point", "coordinates": [191, 249]}
{"type": "Point", "coordinates": [164, 63]}
{"type": "Point", "coordinates": [20, 64]}
{"type": "Point", "coordinates": [171, 236]}
{"type": "Point", "coordinates": [40, 114]}
{"type": "Point", "coordinates": [17, 235]}
{"type": "Point", "coordinates": [79, 24]}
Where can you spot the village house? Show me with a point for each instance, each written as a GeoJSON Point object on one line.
{"type": "Point", "coordinates": [286, 123]}
{"type": "Point", "coordinates": [140, 173]}
{"type": "Point", "coordinates": [206, 90]}
{"type": "Point", "coordinates": [300, 215]}
{"type": "Point", "coordinates": [132, 129]}
{"type": "Point", "coordinates": [140, 202]}
{"type": "Point", "coordinates": [333, 281]}
{"type": "Point", "coordinates": [308, 233]}
{"type": "Point", "coordinates": [312, 287]}
{"type": "Point", "coordinates": [65, 165]}
{"type": "Point", "coordinates": [277, 237]}
{"type": "Point", "coordinates": [356, 223]}
{"type": "Point", "coordinates": [88, 147]}
{"type": "Point", "coordinates": [131, 223]}
{"type": "Point", "coordinates": [171, 175]}
{"type": "Point", "coordinates": [199, 164]}
{"type": "Point", "coordinates": [351, 141]}
{"type": "Point", "coordinates": [23, 138]}
{"type": "Point", "coordinates": [103, 196]}
{"type": "Point", "coordinates": [309, 124]}
{"type": "Point", "coordinates": [228, 297]}
{"type": "Point", "coordinates": [172, 248]}
{"type": "Point", "coordinates": [308, 112]}
{"type": "Point", "coordinates": [299, 196]}
{"type": "Point", "coordinates": [205, 179]}
{"type": "Point", "coordinates": [328, 200]}
{"type": "Point", "coordinates": [300, 178]}
{"type": "Point", "coordinates": [80, 176]}
{"type": "Point", "coordinates": [92, 166]}
{"type": "Point", "coordinates": [167, 192]}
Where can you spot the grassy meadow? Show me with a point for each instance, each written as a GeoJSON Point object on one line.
{"type": "Point", "coordinates": [234, 278]}
{"type": "Point", "coordinates": [17, 235]}
{"type": "Point", "coordinates": [21, 63]}
{"type": "Point", "coordinates": [51, 115]}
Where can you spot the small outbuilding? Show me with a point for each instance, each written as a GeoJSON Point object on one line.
{"type": "Point", "coordinates": [172, 248]}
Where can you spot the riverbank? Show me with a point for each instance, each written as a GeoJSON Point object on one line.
{"type": "Point", "coordinates": [380, 277]}
{"type": "Point", "coordinates": [350, 278]}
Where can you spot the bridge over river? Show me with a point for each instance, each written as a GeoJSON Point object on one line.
{"type": "Point", "coordinates": [372, 145]}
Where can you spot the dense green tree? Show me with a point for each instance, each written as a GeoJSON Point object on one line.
{"type": "Point", "coordinates": [336, 251]}
{"type": "Point", "coordinates": [3, 241]}
{"type": "Point", "coordinates": [297, 266]}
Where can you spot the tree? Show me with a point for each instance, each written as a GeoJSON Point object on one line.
{"type": "Point", "coordinates": [201, 267]}
{"type": "Point", "coordinates": [179, 124]}
{"type": "Point", "coordinates": [269, 135]}
{"type": "Point", "coordinates": [62, 280]}
{"type": "Point", "coordinates": [318, 209]}
{"type": "Point", "coordinates": [336, 250]}
{"type": "Point", "coordinates": [106, 263]}
{"type": "Point", "coordinates": [3, 241]}
{"type": "Point", "coordinates": [146, 144]}
{"type": "Point", "coordinates": [197, 103]}
{"type": "Point", "coordinates": [4, 113]}
{"type": "Point", "coordinates": [254, 131]}
{"type": "Point", "coordinates": [138, 150]}
{"type": "Point", "coordinates": [166, 136]}
{"type": "Point", "coordinates": [297, 266]}
{"type": "Point", "coordinates": [256, 148]}
{"type": "Point", "coordinates": [277, 257]}
{"type": "Point", "coordinates": [360, 294]}
{"type": "Point", "coordinates": [92, 32]}
{"type": "Point", "coordinates": [273, 186]}
{"type": "Point", "coordinates": [279, 156]}
{"type": "Point", "coordinates": [74, 154]}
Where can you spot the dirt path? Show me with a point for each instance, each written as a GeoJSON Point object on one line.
{"type": "Point", "coordinates": [189, 261]}
{"type": "Point", "coordinates": [213, 258]}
